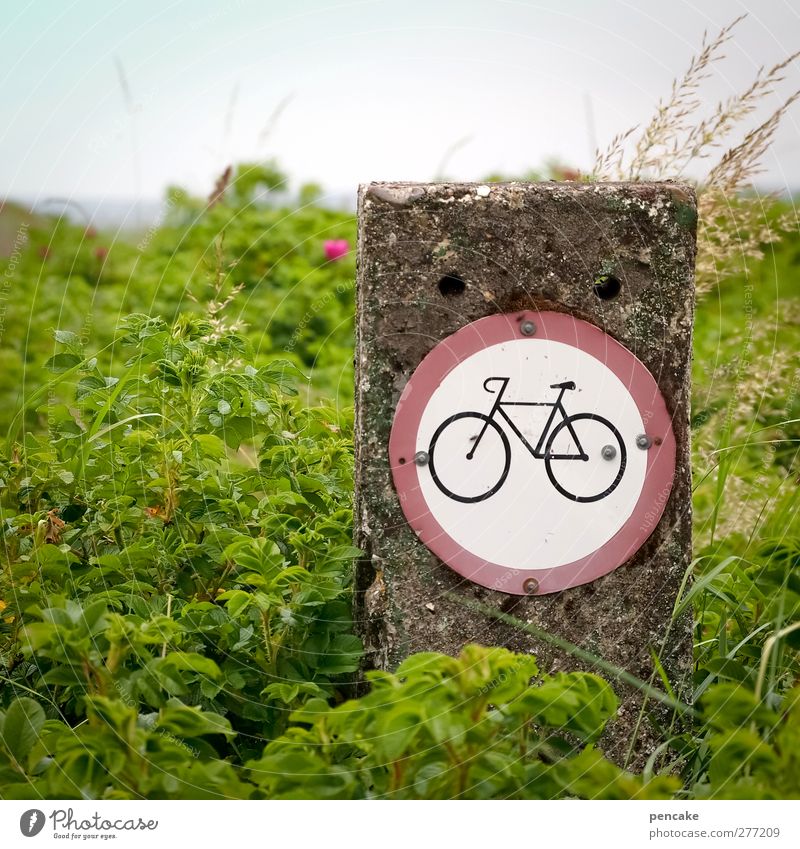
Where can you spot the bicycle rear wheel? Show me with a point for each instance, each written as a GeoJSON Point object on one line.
{"type": "Point", "coordinates": [597, 476]}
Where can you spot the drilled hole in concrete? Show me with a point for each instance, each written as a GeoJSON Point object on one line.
{"type": "Point", "coordinates": [607, 287]}
{"type": "Point", "coordinates": [452, 284]}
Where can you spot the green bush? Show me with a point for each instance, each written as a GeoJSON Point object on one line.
{"type": "Point", "coordinates": [181, 532]}
{"type": "Point", "coordinates": [175, 508]}
{"type": "Point", "coordinates": [455, 728]}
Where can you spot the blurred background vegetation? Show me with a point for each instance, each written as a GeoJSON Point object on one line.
{"type": "Point", "coordinates": [176, 484]}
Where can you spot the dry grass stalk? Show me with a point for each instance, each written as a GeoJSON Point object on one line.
{"type": "Point", "coordinates": [218, 300]}
{"type": "Point", "coordinates": [220, 187]}
{"type": "Point", "coordinates": [733, 224]}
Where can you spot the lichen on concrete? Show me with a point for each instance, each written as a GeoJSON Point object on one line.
{"type": "Point", "coordinates": [520, 246]}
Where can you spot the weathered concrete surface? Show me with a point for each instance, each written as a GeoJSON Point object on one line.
{"type": "Point", "coordinates": [519, 246]}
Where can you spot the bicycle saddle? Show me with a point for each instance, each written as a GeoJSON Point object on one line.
{"type": "Point", "coordinates": [568, 384]}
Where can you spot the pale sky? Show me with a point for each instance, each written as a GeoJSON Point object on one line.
{"type": "Point", "coordinates": [379, 90]}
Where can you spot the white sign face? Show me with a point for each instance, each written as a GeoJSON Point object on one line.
{"type": "Point", "coordinates": [525, 473]}
{"type": "Point", "coordinates": [524, 447]}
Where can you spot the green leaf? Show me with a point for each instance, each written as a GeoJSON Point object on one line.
{"type": "Point", "coordinates": [236, 600]}
{"type": "Point", "coordinates": [186, 722]}
{"type": "Point", "coordinates": [724, 667]}
{"type": "Point", "coordinates": [343, 552]}
{"type": "Point", "coordinates": [343, 655]}
{"type": "Point", "coordinates": [67, 337]}
{"type": "Point", "coordinates": [193, 662]}
{"type": "Point", "coordinates": [21, 726]}
{"type": "Point", "coordinates": [62, 362]}
{"type": "Point", "coordinates": [208, 445]}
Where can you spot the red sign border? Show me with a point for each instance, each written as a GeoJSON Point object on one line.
{"type": "Point", "coordinates": [559, 327]}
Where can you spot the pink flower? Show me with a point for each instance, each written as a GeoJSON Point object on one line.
{"type": "Point", "coordinates": [100, 252]}
{"type": "Point", "coordinates": [336, 248]}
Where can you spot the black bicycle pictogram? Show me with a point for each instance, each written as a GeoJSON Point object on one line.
{"type": "Point", "coordinates": [597, 431]}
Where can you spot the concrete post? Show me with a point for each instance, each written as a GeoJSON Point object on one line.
{"type": "Point", "coordinates": [435, 257]}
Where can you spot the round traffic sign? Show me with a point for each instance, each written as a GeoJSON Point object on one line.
{"type": "Point", "coordinates": [532, 452]}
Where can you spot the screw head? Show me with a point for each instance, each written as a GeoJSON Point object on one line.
{"type": "Point", "coordinates": [643, 441]}
{"type": "Point", "coordinates": [527, 328]}
{"type": "Point", "coordinates": [530, 585]}
{"type": "Point", "coordinates": [421, 458]}
{"type": "Point", "coordinates": [608, 452]}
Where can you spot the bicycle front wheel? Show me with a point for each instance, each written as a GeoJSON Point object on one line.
{"type": "Point", "coordinates": [585, 457]}
{"type": "Point", "coordinates": [464, 474]}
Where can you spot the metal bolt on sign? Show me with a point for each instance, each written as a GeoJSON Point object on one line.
{"type": "Point", "coordinates": [548, 419]}
{"type": "Point", "coordinates": [531, 585]}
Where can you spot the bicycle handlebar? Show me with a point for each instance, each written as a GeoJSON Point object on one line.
{"type": "Point", "coordinates": [490, 379]}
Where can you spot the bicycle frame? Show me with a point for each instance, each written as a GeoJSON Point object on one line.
{"type": "Point", "coordinates": [557, 406]}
